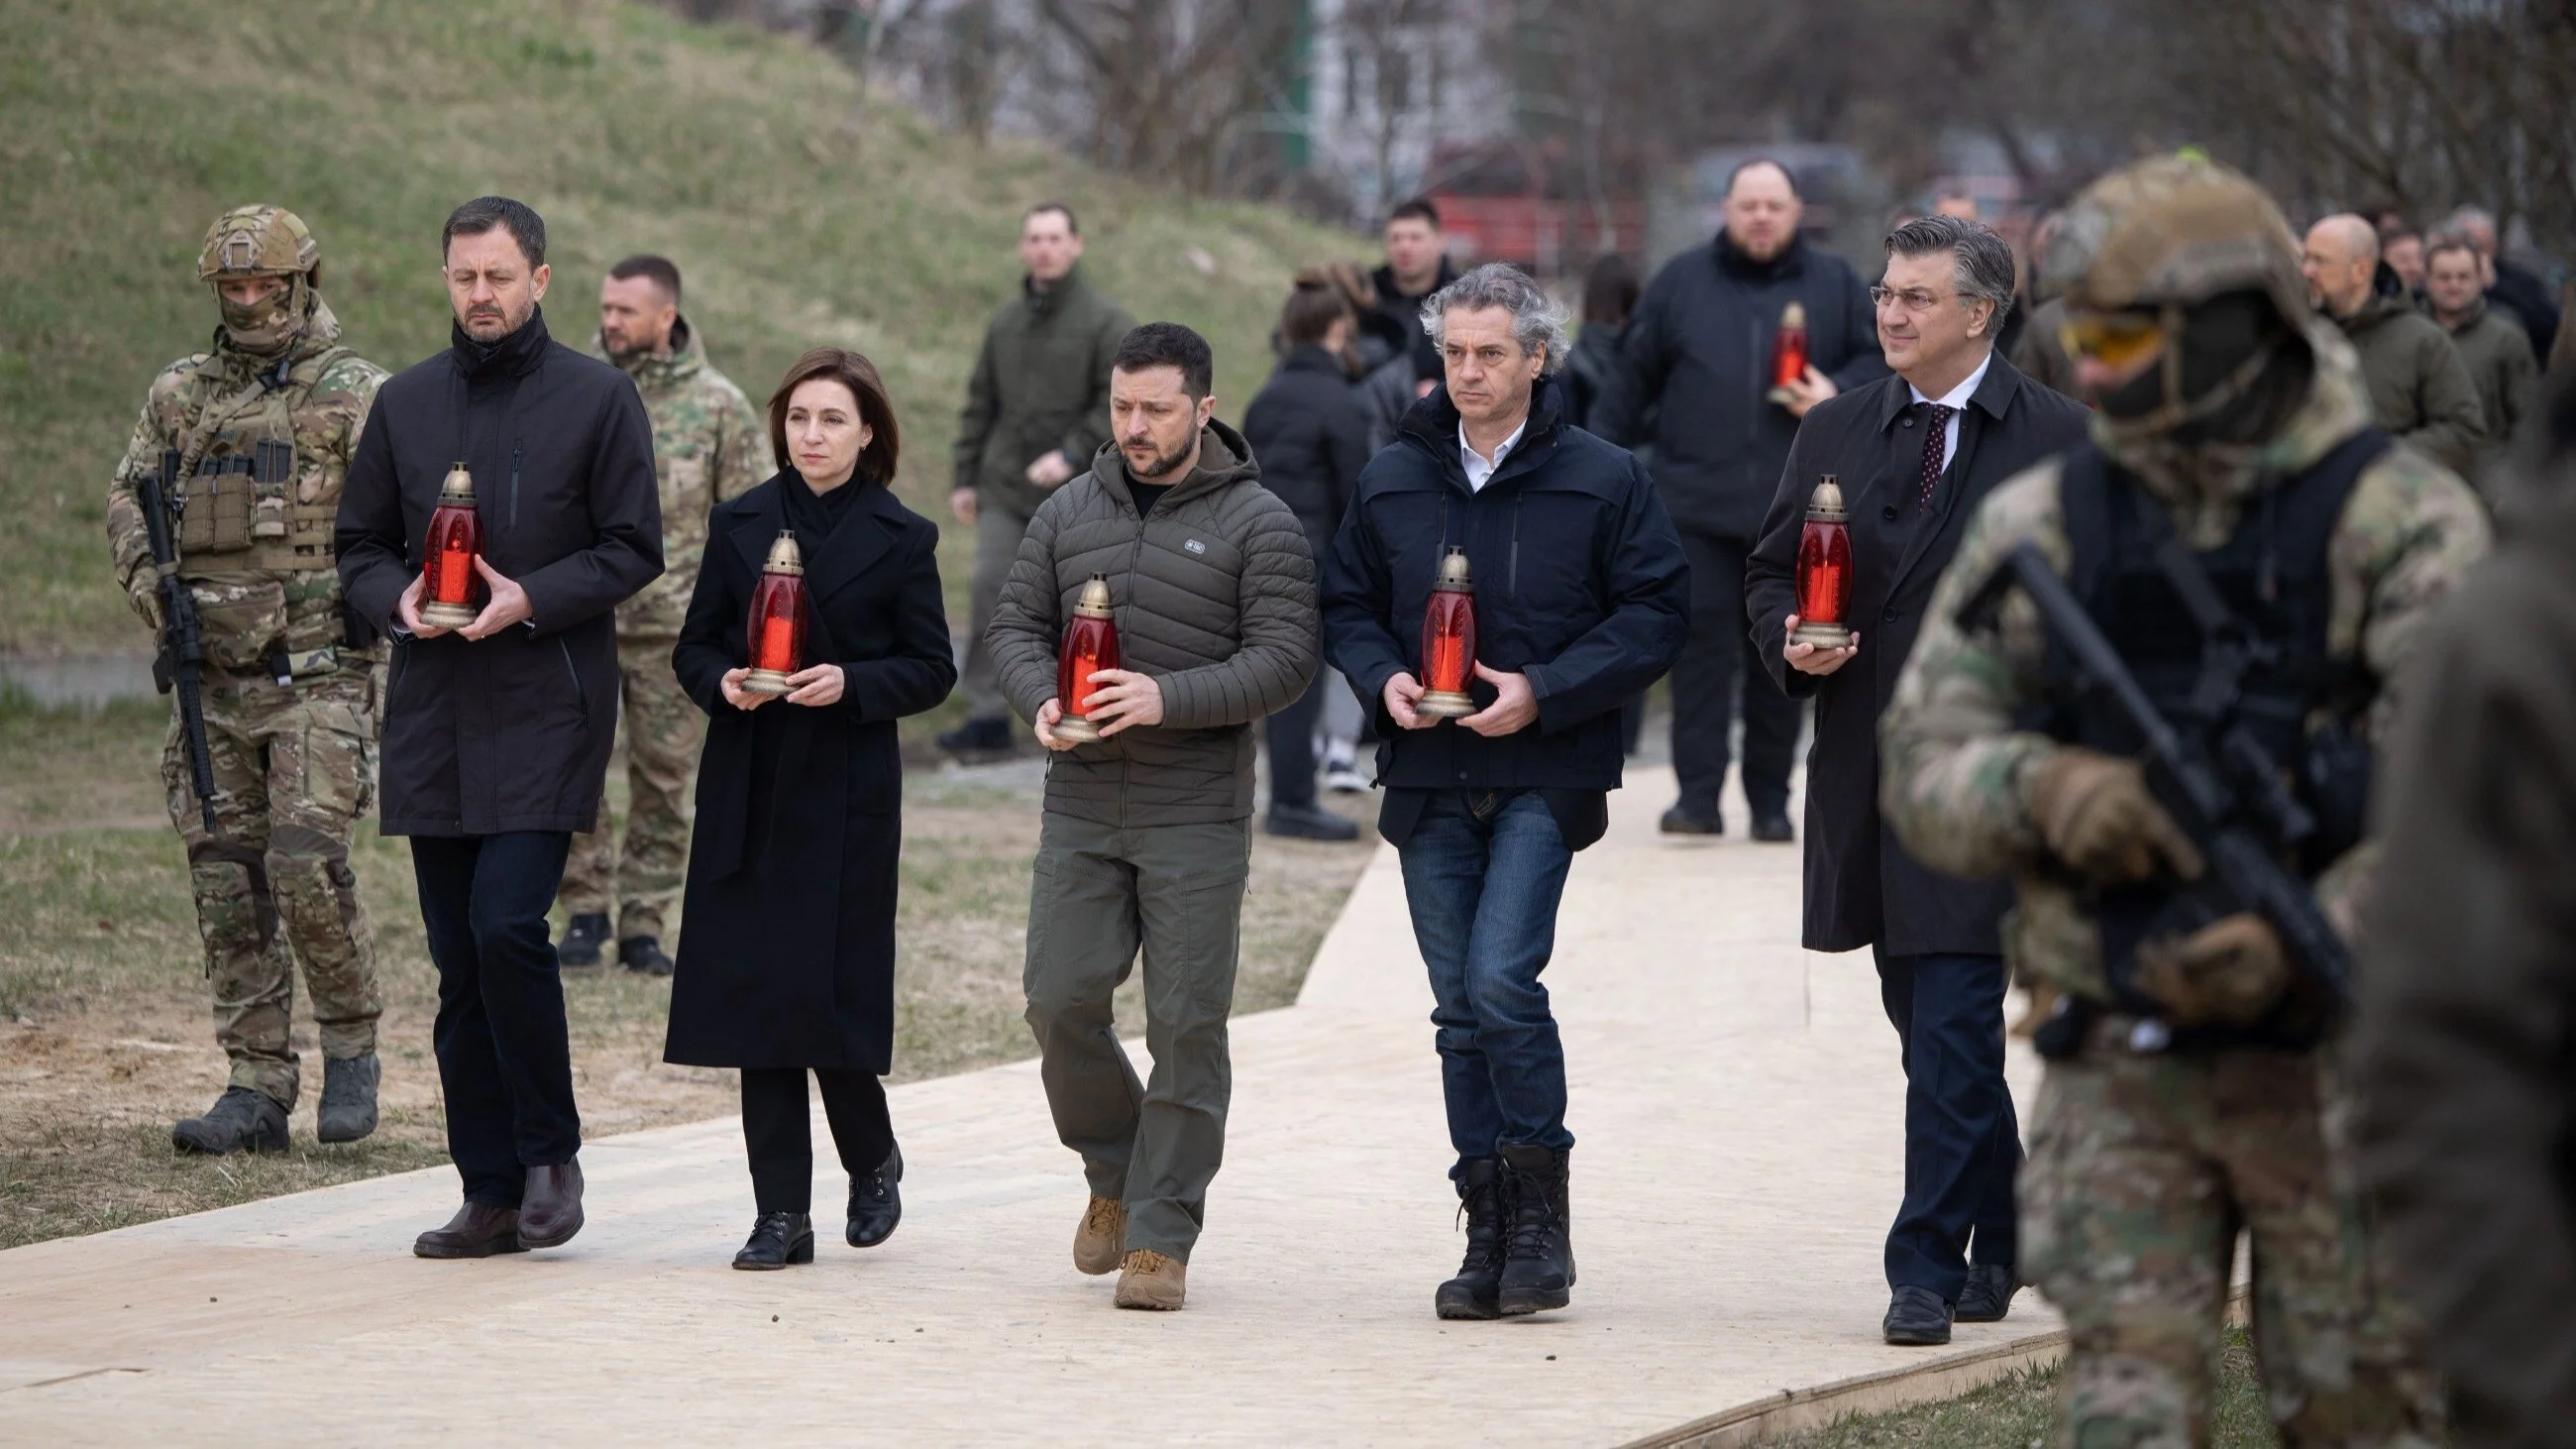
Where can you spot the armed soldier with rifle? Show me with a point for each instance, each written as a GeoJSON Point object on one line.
{"type": "Point", "coordinates": [220, 521]}
{"type": "Point", "coordinates": [2148, 690]}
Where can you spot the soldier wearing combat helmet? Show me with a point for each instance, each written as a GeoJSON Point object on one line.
{"type": "Point", "coordinates": [253, 436]}
{"type": "Point", "coordinates": [2188, 1088]}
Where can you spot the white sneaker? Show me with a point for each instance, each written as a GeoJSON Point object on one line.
{"type": "Point", "coordinates": [1344, 778]}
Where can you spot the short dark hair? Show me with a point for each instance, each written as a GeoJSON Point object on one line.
{"type": "Point", "coordinates": [1169, 344]}
{"type": "Point", "coordinates": [1609, 289]}
{"type": "Point", "coordinates": [1415, 207]}
{"type": "Point", "coordinates": [876, 409]}
{"type": "Point", "coordinates": [1775, 164]}
{"type": "Point", "coordinates": [1311, 313]}
{"type": "Point", "coordinates": [1071, 226]}
{"type": "Point", "coordinates": [484, 213]}
{"type": "Point", "coordinates": [2448, 242]}
{"type": "Point", "coordinates": [664, 272]}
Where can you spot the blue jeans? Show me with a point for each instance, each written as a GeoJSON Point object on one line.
{"type": "Point", "coordinates": [1482, 875]}
{"type": "Point", "coordinates": [1962, 1141]}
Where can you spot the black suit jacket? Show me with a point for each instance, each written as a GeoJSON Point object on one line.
{"type": "Point", "coordinates": [1862, 887]}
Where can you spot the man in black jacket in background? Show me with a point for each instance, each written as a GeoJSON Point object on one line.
{"type": "Point", "coordinates": [1580, 602]}
{"type": "Point", "coordinates": [496, 734]}
{"type": "Point", "coordinates": [1417, 265]}
{"type": "Point", "coordinates": [1701, 346]}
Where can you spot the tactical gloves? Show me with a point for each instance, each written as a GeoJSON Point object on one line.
{"type": "Point", "coordinates": [2094, 813]}
{"type": "Point", "coordinates": [144, 593]}
{"type": "Point", "coordinates": [2229, 971]}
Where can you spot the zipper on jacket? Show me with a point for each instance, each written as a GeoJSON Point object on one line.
{"type": "Point", "coordinates": [580, 696]}
{"type": "Point", "coordinates": [518, 450]}
{"type": "Point", "coordinates": [1512, 590]}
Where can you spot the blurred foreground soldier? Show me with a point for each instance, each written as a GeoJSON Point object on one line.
{"type": "Point", "coordinates": [1581, 598]}
{"type": "Point", "coordinates": [1037, 409]}
{"type": "Point", "coordinates": [2509, 284]}
{"type": "Point", "coordinates": [2491, 344]}
{"type": "Point", "coordinates": [2233, 508]}
{"type": "Point", "coordinates": [1146, 840]}
{"type": "Point", "coordinates": [2037, 351]}
{"type": "Point", "coordinates": [248, 444]}
{"type": "Point", "coordinates": [2417, 385]}
{"type": "Point", "coordinates": [1914, 455]}
{"type": "Point", "coordinates": [707, 449]}
{"type": "Point", "coordinates": [497, 733]}
{"type": "Point", "coordinates": [2469, 986]}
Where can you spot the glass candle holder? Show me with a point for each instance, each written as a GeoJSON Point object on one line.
{"type": "Point", "coordinates": [1090, 644]}
{"type": "Point", "coordinates": [777, 628]}
{"type": "Point", "coordinates": [1449, 641]}
{"type": "Point", "coordinates": [452, 591]}
{"type": "Point", "coordinates": [1824, 571]}
{"type": "Point", "coordinates": [1789, 352]}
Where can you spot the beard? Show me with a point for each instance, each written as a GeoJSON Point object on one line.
{"type": "Point", "coordinates": [1163, 464]}
{"type": "Point", "coordinates": [491, 324]}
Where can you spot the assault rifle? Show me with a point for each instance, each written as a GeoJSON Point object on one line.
{"type": "Point", "coordinates": [182, 661]}
{"type": "Point", "coordinates": [2234, 801]}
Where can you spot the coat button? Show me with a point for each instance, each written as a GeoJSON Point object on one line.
{"type": "Point", "coordinates": [1888, 512]}
{"type": "Point", "coordinates": [1909, 422]}
{"type": "Point", "coordinates": [1887, 616]}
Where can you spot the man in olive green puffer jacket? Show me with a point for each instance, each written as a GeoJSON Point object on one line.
{"type": "Point", "coordinates": [1146, 838]}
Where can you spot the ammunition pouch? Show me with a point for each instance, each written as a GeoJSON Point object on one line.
{"type": "Point", "coordinates": [215, 507]}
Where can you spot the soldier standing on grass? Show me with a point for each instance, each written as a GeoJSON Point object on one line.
{"type": "Point", "coordinates": [2188, 1092]}
{"type": "Point", "coordinates": [256, 433]}
{"type": "Point", "coordinates": [707, 449]}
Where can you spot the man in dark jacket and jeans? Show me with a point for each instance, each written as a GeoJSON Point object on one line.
{"type": "Point", "coordinates": [1701, 345]}
{"type": "Point", "coordinates": [1144, 841]}
{"type": "Point", "coordinates": [496, 734]}
{"type": "Point", "coordinates": [1581, 601]}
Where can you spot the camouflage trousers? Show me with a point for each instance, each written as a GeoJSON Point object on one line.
{"type": "Point", "coordinates": [639, 878]}
{"type": "Point", "coordinates": [2143, 1169]}
{"type": "Point", "coordinates": [294, 768]}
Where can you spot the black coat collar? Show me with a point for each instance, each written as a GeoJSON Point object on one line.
{"type": "Point", "coordinates": [511, 356]}
{"type": "Point", "coordinates": [831, 564]}
{"type": "Point", "coordinates": [1993, 396]}
{"type": "Point", "coordinates": [1432, 424]}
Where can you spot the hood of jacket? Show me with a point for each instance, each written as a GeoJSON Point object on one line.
{"type": "Point", "coordinates": [1046, 301]}
{"type": "Point", "coordinates": [653, 372]}
{"type": "Point", "coordinates": [2375, 312]}
{"type": "Point", "coordinates": [1737, 262]}
{"type": "Point", "coordinates": [1224, 459]}
{"type": "Point", "coordinates": [321, 333]}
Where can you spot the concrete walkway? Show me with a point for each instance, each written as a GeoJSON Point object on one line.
{"type": "Point", "coordinates": [1737, 1100]}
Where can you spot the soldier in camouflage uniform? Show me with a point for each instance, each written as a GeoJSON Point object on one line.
{"type": "Point", "coordinates": [2177, 1105]}
{"type": "Point", "coordinates": [257, 433]}
{"type": "Point", "coordinates": [708, 447]}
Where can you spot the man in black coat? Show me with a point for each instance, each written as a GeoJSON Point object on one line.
{"type": "Point", "coordinates": [1699, 359]}
{"type": "Point", "coordinates": [1914, 454]}
{"type": "Point", "coordinates": [1580, 599]}
{"type": "Point", "coordinates": [496, 734]}
{"type": "Point", "coordinates": [1417, 265]}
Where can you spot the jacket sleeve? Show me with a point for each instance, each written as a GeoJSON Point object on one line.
{"type": "Point", "coordinates": [1358, 591]}
{"type": "Point", "coordinates": [1091, 429]}
{"type": "Point", "coordinates": [1346, 452]}
{"type": "Point", "coordinates": [743, 458]}
{"type": "Point", "coordinates": [1863, 360]}
{"type": "Point", "coordinates": [626, 520]}
{"type": "Point", "coordinates": [2455, 421]}
{"type": "Point", "coordinates": [2520, 385]}
{"type": "Point", "coordinates": [712, 636]}
{"type": "Point", "coordinates": [373, 544]}
{"type": "Point", "coordinates": [975, 423]}
{"type": "Point", "coordinates": [1635, 377]}
{"type": "Point", "coordinates": [923, 667]}
{"type": "Point", "coordinates": [1649, 589]}
{"type": "Point", "coordinates": [1771, 570]}
{"type": "Point", "coordinates": [1027, 622]}
{"type": "Point", "coordinates": [1271, 667]}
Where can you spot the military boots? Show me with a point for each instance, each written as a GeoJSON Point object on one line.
{"type": "Point", "coordinates": [583, 936]}
{"type": "Point", "coordinates": [1538, 1233]}
{"type": "Point", "coordinates": [242, 1120]}
{"type": "Point", "coordinates": [1475, 1292]}
{"type": "Point", "coordinates": [348, 1110]}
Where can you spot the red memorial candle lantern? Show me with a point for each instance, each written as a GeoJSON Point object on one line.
{"type": "Point", "coordinates": [1824, 571]}
{"type": "Point", "coordinates": [1090, 644]}
{"type": "Point", "coordinates": [452, 592]}
{"type": "Point", "coordinates": [1449, 641]}
{"type": "Point", "coordinates": [777, 637]}
{"type": "Point", "coordinates": [1789, 352]}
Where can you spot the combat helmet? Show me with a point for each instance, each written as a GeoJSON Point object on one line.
{"type": "Point", "coordinates": [262, 241]}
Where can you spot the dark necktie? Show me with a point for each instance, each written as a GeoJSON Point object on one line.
{"type": "Point", "coordinates": [1932, 453]}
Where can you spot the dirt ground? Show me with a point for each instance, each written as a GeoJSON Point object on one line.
{"type": "Point", "coordinates": [105, 1037]}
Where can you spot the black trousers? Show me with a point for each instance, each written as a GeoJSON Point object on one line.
{"type": "Point", "coordinates": [1962, 1140]}
{"type": "Point", "coordinates": [504, 1065]}
{"type": "Point", "coordinates": [777, 1130]}
{"type": "Point", "coordinates": [1713, 675]}
{"type": "Point", "coordinates": [1292, 747]}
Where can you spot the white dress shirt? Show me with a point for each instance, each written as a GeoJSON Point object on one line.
{"type": "Point", "coordinates": [1478, 470]}
{"type": "Point", "coordinates": [1956, 400]}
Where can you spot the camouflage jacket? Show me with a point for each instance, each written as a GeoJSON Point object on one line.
{"type": "Point", "coordinates": [255, 549]}
{"type": "Point", "coordinates": [709, 447]}
{"type": "Point", "coordinates": [1956, 773]}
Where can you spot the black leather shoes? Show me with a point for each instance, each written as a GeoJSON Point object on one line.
{"type": "Point", "coordinates": [1988, 1295]}
{"type": "Point", "coordinates": [550, 1207]}
{"type": "Point", "coordinates": [1917, 1318]}
{"type": "Point", "coordinates": [1310, 822]}
{"type": "Point", "coordinates": [1683, 821]}
{"type": "Point", "coordinates": [477, 1231]}
{"type": "Point", "coordinates": [876, 1205]}
{"type": "Point", "coordinates": [777, 1240]}
{"type": "Point", "coordinates": [1772, 826]}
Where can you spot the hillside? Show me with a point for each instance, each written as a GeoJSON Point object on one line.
{"type": "Point", "coordinates": [126, 125]}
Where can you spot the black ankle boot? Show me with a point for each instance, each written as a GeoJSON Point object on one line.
{"type": "Point", "coordinates": [777, 1240]}
{"type": "Point", "coordinates": [876, 1204]}
{"type": "Point", "coordinates": [583, 936]}
{"type": "Point", "coordinates": [1538, 1233]}
{"type": "Point", "coordinates": [1473, 1293]}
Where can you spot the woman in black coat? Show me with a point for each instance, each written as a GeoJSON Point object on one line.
{"type": "Point", "coordinates": [787, 961]}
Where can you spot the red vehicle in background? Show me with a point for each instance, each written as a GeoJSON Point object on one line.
{"type": "Point", "coordinates": [1502, 201]}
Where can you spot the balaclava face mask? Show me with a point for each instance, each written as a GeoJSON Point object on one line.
{"type": "Point", "coordinates": [265, 327]}
{"type": "Point", "coordinates": [2230, 350]}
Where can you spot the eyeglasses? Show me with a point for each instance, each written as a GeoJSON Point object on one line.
{"type": "Point", "coordinates": [1911, 301]}
{"type": "Point", "coordinates": [2116, 340]}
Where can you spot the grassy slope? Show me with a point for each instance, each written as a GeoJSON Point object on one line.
{"type": "Point", "coordinates": [126, 125]}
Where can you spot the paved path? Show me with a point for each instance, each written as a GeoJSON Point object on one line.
{"type": "Point", "coordinates": [1737, 1099]}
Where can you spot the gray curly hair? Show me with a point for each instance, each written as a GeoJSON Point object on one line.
{"type": "Point", "coordinates": [1537, 321]}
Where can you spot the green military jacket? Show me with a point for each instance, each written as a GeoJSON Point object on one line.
{"type": "Point", "coordinates": [709, 447]}
{"type": "Point", "coordinates": [254, 535]}
{"type": "Point", "coordinates": [1041, 384]}
{"type": "Point", "coordinates": [2417, 385]}
{"type": "Point", "coordinates": [1956, 773]}
{"type": "Point", "coordinates": [2507, 375]}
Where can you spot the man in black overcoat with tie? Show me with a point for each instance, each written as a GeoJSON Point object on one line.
{"type": "Point", "coordinates": [1914, 454]}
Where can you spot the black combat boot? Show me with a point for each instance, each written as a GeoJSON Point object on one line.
{"type": "Point", "coordinates": [583, 936]}
{"type": "Point", "coordinates": [1538, 1231]}
{"type": "Point", "coordinates": [348, 1110]}
{"type": "Point", "coordinates": [643, 956]}
{"type": "Point", "coordinates": [876, 1204]}
{"type": "Point", "coordinates": [242, 1120]}
{"type": "Point", "coordinates": [1474, 1292]}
